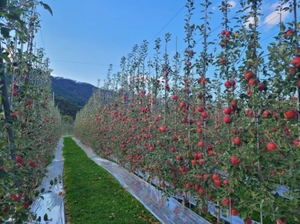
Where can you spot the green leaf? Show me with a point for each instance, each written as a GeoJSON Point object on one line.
{"type": "Point", "coordinates": [5, 32]}
{"type": "Point", "coordinates": [3, 3]}
{"type": "Point", "coordinates": [46, 217]}
{"type": "Point", "coordinates": [5, 57]}
{"type": "Point", "coordinates": [2, 173]}
{"type": "Point", "coordinates": [47, 7]}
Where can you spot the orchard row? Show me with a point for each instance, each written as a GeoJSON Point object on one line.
{"type": "Point", "coordinates": [222, 126]}
{"type": "Point", "coordinates": [30, 124]}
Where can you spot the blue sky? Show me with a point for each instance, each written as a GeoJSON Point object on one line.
{"type": "Point", "coordinates": [83, 37]}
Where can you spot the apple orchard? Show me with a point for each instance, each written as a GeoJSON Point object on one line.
{"type": "Point", "coordinates": [221, 125]}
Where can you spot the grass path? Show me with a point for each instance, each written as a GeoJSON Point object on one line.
{"type": "Point", "coordinates": [93, 195]}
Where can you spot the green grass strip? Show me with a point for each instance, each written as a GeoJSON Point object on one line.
{"type": "Point", "coordinates": [93, 195]}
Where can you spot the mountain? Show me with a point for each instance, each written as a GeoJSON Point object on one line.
{"type": "Point", "coordinates": [69, 95]}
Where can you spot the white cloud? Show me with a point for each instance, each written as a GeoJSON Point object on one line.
{"type": "Point", "coordinates": [274, 17]}
{"type": "Point", "coordinates": [54, 75]}
{"type": "Point", "coordinates": [251, 21]}
{"type": "Point", "coordinates": [232, 3]}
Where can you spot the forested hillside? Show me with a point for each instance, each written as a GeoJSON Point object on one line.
{"type": "Point", "coordinates": [69, 95]}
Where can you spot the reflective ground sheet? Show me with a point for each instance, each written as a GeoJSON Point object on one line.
{"type": "Point", "coordinates": [165, 210]}
{"type": "Point", "coordinates": [51, 201]}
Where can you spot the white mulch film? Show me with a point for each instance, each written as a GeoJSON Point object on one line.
{"type": "Point", "coordinates": [165, 210]}
{"type": "Point", "coordinates": [52, 202]}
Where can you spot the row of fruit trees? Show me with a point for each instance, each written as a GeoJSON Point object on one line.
{"type": "Point", "coordinates": [220, 125]}
{"type": "Point", "coordinates": [29, 122]}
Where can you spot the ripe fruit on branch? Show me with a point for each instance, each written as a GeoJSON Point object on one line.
{"type": "Point", "coordinates": [204, 115]}
{"type": "Point", "coordinates": [237, 141]}
{"type": "Point", "coordinates": [201, 161]}
{"type": "Point", "coordinates": [175, 97]}
{"type": "Point", "coordinates": [252, 82]}
{"type": "Point", "coordinates": [249, 112]}
{"type": "Point", "coordinates": [222, 61]}
{"type": "Point", "coordinates": [234, 104]}
{"type": "Point", "coordinates": [19, 159]}
{"type": "Point", "coordinates": [200, 109]}
{"type": "Point", "coordinates": [227, 110]}
{"type": "Point", "coordinates": [189, 63]}
{"type": "Point", "coordinates": [261, 86]}
{"type": "Point", "coordinates": [234, 212]}
{"type": "Point", "coordinates": [234, 160]}
{"type": "Point", "coordinates": [291, 114]}
{"type": "Point", "coordinates": [288, 33]}
{"type": "Point", "coordinates": [296, 62]}
{"type": "Point", "coordinates": [271, 146]}
{"type": "Point", "coordinates": [201, 191]}
{"type": "Point", "coordinates": [175, 138]}
{"type": "Point", "coordinates": [179, 157]}
{"type": "Point", "coordinates": [217, 182]}
{"type": "Point", "coordinates": [229, 83]}
{"type": "Point", "coordinates": [31, 163]}
{"type": "Point", "coordinates": [266, 114]}
{"type": "Point", "coordinates": [188, 185]}
{"type": "Point", "coordinates": [248, 75]}
{"type": "Point", "coordinates": [227, 119]}
{"type": "Point", "coordinates": [296, 142]}
{"type": "Point", "coordinates": [15, 197]}
{"type": "Point", "coordinates": [248, 220]}
{"type": "Point", "coordinates": [167, 86]}
{"type": "Point", "coordinates": [226, 202]}
{"type": "Point", "coordinates": [215, 176]}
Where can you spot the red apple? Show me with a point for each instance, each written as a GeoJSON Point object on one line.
{"type": "Point", "coordinates": [179, 157]}
{"type": "Point", "coordinates": [227, 110]}
{"type": "Point", "coordinates": [291, 114]}
{"type": "Point", "coordinates": [234, 212]}
{"type": "Point", "coordinates": [296, 62]}
{"type": "Point", "coordinates": [271, 146]}
{"type": "Point", "coordinates": [204, 115]}
{"type": "Point", "coordinates": [175, 97]}
{"type": "Point", "coordinates": [237, 141]}
{"type": "Point", "coordinates": [261, 86]}
{"type": "Point", "coordinates": [288, 33]}
{"type": "Point", "coordinates": [234, 160]}
{"type": "Point", "coordinates": [252, 82]}
{"type": "Point", "coordinates": [217, 182]}
{"type": "Point", "coordinates": [248, 75]}
{"type": "Point", "coordinates": [228, 84]}
{"type": "Point", "coordinates": [193, 162]}
{"type": "Point", "coordinates": [226, 202]}
{"type": "Point", "coordinates": [19, 159]}
{"type": "Point", "coordinates": [227, 119]}
{"type": "Point", "coordinates": [200, 109]}
{"type": "Point", "coordinates": [226, 182]}
{"type": "Point", "coordinates": [188, 185]}
{"type": "Point", "coordinates": [215, 176]}
{"type": "Point", "coordinates": [201, 191]}
{"type": "Point", "coordinates": [201, 161]}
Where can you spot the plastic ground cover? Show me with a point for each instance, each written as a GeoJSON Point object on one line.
{"type": "Point", "coordinates": [51, 201]}
{"type": "Point", "coordinates": [165, 210]}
